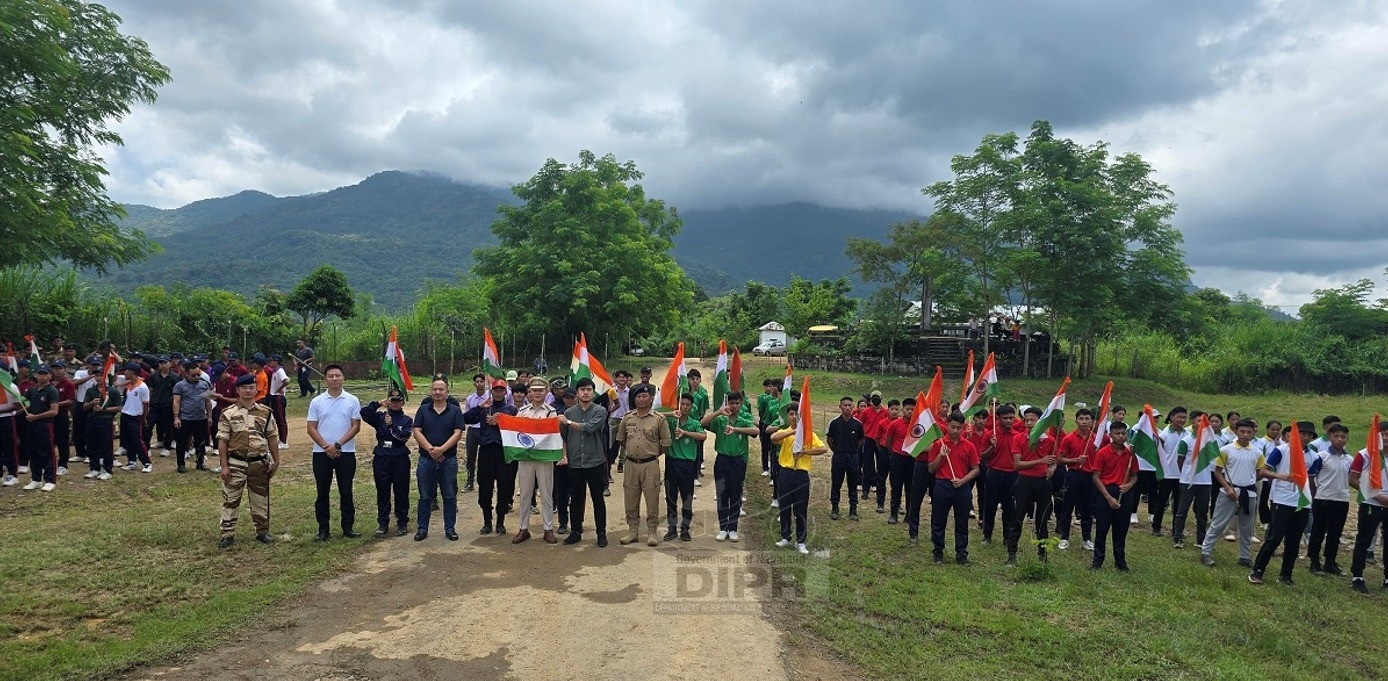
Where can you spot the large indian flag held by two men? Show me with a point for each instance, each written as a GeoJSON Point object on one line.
{"type": "Point", "coordinates": [525, 439]}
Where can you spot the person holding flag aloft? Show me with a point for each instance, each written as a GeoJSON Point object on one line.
{"type": "Point", "coordinates": [798, 443]}
{"type": "Point", "coordinates": [1196, 475]}
{"type": "Point", "coordinates": [953, 461]}
{"type": "Point", "coordinates": [1369, 475]}
{"type": "Point", "coordinates": [1291, 475]}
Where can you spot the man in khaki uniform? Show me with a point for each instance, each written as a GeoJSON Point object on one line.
{"type": "Point", "coordinates": [643, 436]}
{"type": "Point", "coordinates": [244, 433]}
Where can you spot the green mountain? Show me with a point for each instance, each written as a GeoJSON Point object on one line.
{"type": "Point", "coordinates": [395, 230]}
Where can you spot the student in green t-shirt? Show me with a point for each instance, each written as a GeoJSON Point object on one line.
{"type": "Point", "coordinates": [681, 466]}
{"type": "Point", "coordinates": [701, 407]}
{"type": "Point", "coordinates": [731, 425]}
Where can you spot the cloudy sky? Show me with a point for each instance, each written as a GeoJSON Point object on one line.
{"type": "Point", "coordinates": [1265, 118]}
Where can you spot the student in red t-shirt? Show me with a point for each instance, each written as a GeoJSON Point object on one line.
{"type": "Point", "coordinates": [1002, 474]}
{"type": "Point", "coordinates": [871, 418]}
{"type": "Point", "coordinates": [954, 462]}
{"type": "Point", "coordinates": [901, 465]}
{"type": "Point", "coordinates": [1033, 491]}
{"type": "Point", "coordinates": [1115, 473]}
{"type": "Point", "coordinates": [1076, 452]}
{"type": "Point", "coordinates": [979, 435]}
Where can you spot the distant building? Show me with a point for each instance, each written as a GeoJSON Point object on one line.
{"type": "Point", "coordinates": [773, 331]}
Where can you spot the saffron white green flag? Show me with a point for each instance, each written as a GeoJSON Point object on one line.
{"type": "Point", "coordinates": [1146, 443]}
{"type": "Point", "coordinates": [1053, 417]}
{"type": "Point", "coordinates": [984, 391]}
{"type": "Point", "coordinates": [525, 439]}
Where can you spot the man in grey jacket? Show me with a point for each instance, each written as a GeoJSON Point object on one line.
{"type": "Point", "coordinates": [585, 450]}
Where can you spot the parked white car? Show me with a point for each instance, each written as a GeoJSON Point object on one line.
{"type": "Point", "coordinates": [769, 348]}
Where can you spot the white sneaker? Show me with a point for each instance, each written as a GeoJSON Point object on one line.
{"type": "Point", "coordinates": [1256, 540]}
{"type": "Point", "coordinates": [697, 483]}
{"type": "Point", "coordinates": [23, 470]}
{"type": "Point", "coordinates": [694, 495]}
{"type": "Point", "coordinates": [784, 543]}
{"type": "Point", "coordinates": [10, 481]}
{"type": "Point", "coordinates": [1132, 520]}
{"type": "Point", "coordinates": [104, 476]}
{"type": "Point", "coordinates": [802, 549]}
{"type": "Point", "coordinates": [91, 475]}
{"type": "Point", "coordinates": [1230, 537]}
{"type": "Point", "coordinates": [732, 536]}
{"type": "Point", "coordinates": [743, 512]}
{"type": "Point", "coordinates": [130, 466]}
{"type": "Point", "coordinates": [149, 468]}
{"type": "Point", "coordinates": [744, 498]}
{"type": "Point", "coordinates": [1064, 544]}
{"type": "Point", "coordinates": [33, 484]}
{"type": "Point", "coordinates": [1088, 546]}
{"type": "Point", "coordinates": [120, 451]}
{"type": "Point", "coordinates": [766, 473]}
{"type": "Point", "coordinates": [775, 503]}
{"type": "Point", "coordinates": [216, 469]}
{"type": "Point", "coordinates": [62, 470]}
{"type": "Point", "coordinates": [48, 487]}
{"type": "Point", "coordinates": [721, 536]}
{"type": "Point", "coordinates": [770, 483]}
{"type": "Point", "coordinates": [79, 459]}
{"type": "Point", "coordinates": [164, 453]}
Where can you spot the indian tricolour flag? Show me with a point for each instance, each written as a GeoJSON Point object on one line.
{"type": "Point", "coordinates": [525, 439]}
{"type": "Point", "coordinates": [1296, 456]}
{"type": "Point", "coordinates": [788, 381]}
{"type": "Point", "coordinates": [108, 373]}
{"type": "Point", "coordinates": [35, 359]}
{"type": "Point", "coordinates": [984, 391]}
{"type": "Point", "coordinates": [675, 383]}
{"type": "Point", "coordinates": [1372, 481]}
{"type": "Point", "coordinates": [1203, 450]}
{"type": "Point", "coordinates": [721, 376]}
{"type": "Point", "coordinates": [393, 365]}
{"type": "Point", "coordinates": [1144, 438]}
{"type": "Point", "coordinates": [491, 359]}
{"type": "Point", "coordinates": [804, 427]}
{"type": "Point", "coordinates": [968, 379]}
{"type": "Point", "coordinates": [1101, 418]}
{"type": "Point", "coordinates": [10, 392]}
{"type": "Point", "coordinates": [1053, 417]}
{"type": "Point", "coordinates": [586, 365]}
{"type": "Point", "coordinates": [923, 429]}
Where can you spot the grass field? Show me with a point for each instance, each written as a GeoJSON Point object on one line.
{"type": "Point", "coordinates": [102, 577]}
{"type": "Point", "coordinates": [883, 605]}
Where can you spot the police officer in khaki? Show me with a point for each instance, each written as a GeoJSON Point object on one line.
{"type": "Point", "coordinates": [244, 433]}
{"type": "Point", "coordinates": [644, 437]}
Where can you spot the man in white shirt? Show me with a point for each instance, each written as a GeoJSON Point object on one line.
{"type": "Point", "coordinates": [132, 420]}
{"type": "Point", "coordinates": [82, 379]}
{"type": "Point", "coordinates": [334, 417]}
{"type": "Point", "coordinates": [275, 399]}
{"type": "Point", "coordinates": [1331, 506]}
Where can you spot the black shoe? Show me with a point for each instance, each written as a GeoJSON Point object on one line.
{"type": "Point", "coordinates": [1285, 581]}
{"type": "Point", "coordinates": [670, 535]}
{"type": "Point", "coordinates": [182, 469]}
{"type": "Point", "coordinates": [853, 515]}
{"type": "Point", "coordinates": [1122, 567]}
{"type": "Point", "coordinates": [1333, 569]}
{"type": "Point", "coordinates": [467, 487]}
{"type": "Point", "coordinates": [351, 534]}
{"type": "Point", "coordinates": [1244, 562]}
{"type": "Point", "coordinates": [686, 536]}
{"type": "Point", "coordinates": [572, 539]}
{"type": "Point", "coordinates": [915, 541]}
{"type": "Point", "coordinates": [381, 530]}
{"type": "Point", "coordinates": [1358, 585]}
{"type": "Point", "coordinates": [962, 560]}
{"type": "Point", "coordinates": [1156, 532]}
{"type": "Point", "coordinates": [1011, 560]}
{"type": "Point", "coordinates": [937, 556]}
{"type": "Point", "coordinates": [401, 530]}
{"type": "Point", "coordinates": [203, 468]}
{"type": "Point", "coordinates": [451, 535]}
{"type": "Point", "coordinates": [421, 535]}
{"type": "Point", "coordinates": [563, 528]}
{"type": "Point", "coordinates": [892, 520]}
{"type": "Point", "coordinates": [225, 543]}
{"type": "Point", "coordinates": [1316, 569]}
{"type": "Point", "coordinates": [834, 514]}
{"type": "Point", "coordinates": [322, 536]}
{"type": "Point", "coordinates": [602, 541]}
{"type": "Point", "coordinates": [500, 528]}
{"type": "Point", "coordinates": [265, 539]}
{"type": "Point", "coordinates": [881, 510]}
{"type": "Point", "coordinates": [486, 529]}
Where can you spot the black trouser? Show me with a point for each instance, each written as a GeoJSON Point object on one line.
{"type": "Point", "coordinates": [560, 493]}
{"type": "Point", "coordinates": [132, 438]}
{"type": "Point", "coordinates": [470, 463]}
{"type": "Point", "coordinates": [867, 466]}
{"type": "Point", "coordinates": [793, 491]}
{"type": "Point", "coordinates": [163, 424]}
{"type": "Point", "coordinates": [981, 485]}
{"type": "Point", "coordinates": [390, 468]}
{"type": "Point", "coordinates": [1373, 521]}
{"type": "Point", "coordinates": [79, 431]}
{"type": "Point", "coordinates": [305, 384]}
{"type": "Point", "coordinates": [9, 445]}
{"type": "Point", "coordinates": [729, 476]}
{"type": "Point", "coordinates": [100, 449]}
{"type": "Point", "coordinates": [276, 403]}
{"type": "Point", "coordinates": [883, 456]}
{"type": "Point", "coordinates": [945, 498]}
{"type": "Point", "coordinates": [43, 459]}
{"type": "Point", "coordinates": [595, 480]}
{"type": "Point", "coordinates": [1200, 498]}
{"type": "Point", "coordinates": [679, 492]}
{"type": "Point", "coordinates": [902, 468]}
{"type": "Point", "coordinates": [922, 482]}
{"type": "Point", "coordinates": [1327, 524]}
{"type": "Point", "coordinates": [1286, 527]}
{"type": "Point", "coordinates": [1033, 497]}
{"type": "Point", "coordinates": [1167, 490]}
{"type": "Point", "coordinates": [193, 432]}
{"type": "Point", "coordinates": [1116, 519]}
{"type": "Point", "coordinates": [699, 457]}
{"type": "Point", "coordinates": [344, 467]}
{"type": "Point", "coordinates": [1265, 502]}
{"type": "Point", "coordinates": [999, 495]}
{"type": "Point", "coordinates": [1076, 497]}
{"type": "Point", "coordinates": [846, 465]}
{"type": "Point", "coordinates": [768, 452]}
{"type": "Point", "coordinates": [62, 437]}
{"type": "Point", "coordinates": [1146, 486]}
{"type": "Point", "coordinates": [494, 473]}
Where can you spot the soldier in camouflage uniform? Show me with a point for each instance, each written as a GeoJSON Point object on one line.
{"type": "Point", "coordinates": [244, 433]}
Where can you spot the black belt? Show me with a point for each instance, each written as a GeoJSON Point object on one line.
{"type": "Point", "coordinates": [1245, 506]}
{"type": "Point", "coordinates": [645, 460]}
{"type": "Point", "coordinates": [246, 459]}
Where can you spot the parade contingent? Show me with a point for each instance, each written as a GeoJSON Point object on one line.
{"type": "Point", "coordinates": [550, 447]}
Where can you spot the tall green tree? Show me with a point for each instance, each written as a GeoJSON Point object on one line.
{"type": "Point", "coordinates": [323, 293]}
{"type": "Point", "coordinates": [919, 255]}
{"type": "Point", "coordinates": [1345, 311]}
{"type": "Point", "coordinates": [810, 303]}
{"type": "Point", "coordinates": [588, 251]}
{"type": "Point", "coordinates": [66, 72]}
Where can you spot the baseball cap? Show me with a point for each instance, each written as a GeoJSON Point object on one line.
{"type": "Point", "coordinates": [43, 369]}
{"type": "Point", "coordinates": [131, 366]}
{"type": "Point", "coordinates": [512, 375]}
{"type": "Point", "coordinates": [247, 379]}
{"type": "Point", "coordinates": [499, 383]}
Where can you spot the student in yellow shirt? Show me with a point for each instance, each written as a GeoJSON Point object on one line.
{"type": "Point", "coordinates": [793, 482]}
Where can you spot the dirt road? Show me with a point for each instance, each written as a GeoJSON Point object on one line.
{"type": "Point", "coordinates": [482, 608]}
